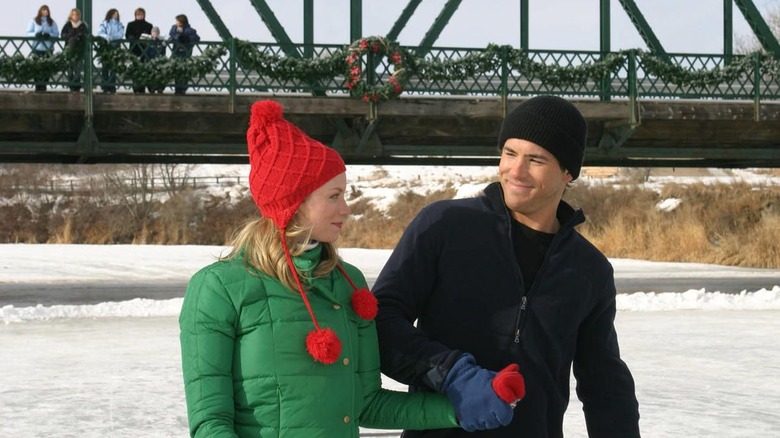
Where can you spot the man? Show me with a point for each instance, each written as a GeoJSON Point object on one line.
{"type": "Point", "coordinates": [506, 278]}
{"type": "Point", "coordinates": [135, 30]}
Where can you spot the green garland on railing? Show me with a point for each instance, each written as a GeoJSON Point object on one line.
{"type": "Point", "coordinates": [286, 68]}
{"type": "Point", "coordinates": [158, 72]}
{"type": "Point", "coordinates": [18, 69]}
{"type": "Point", "coordinates": [465, 67]}
{"type": "Point", "coordinates": [660, 68]}
{"type": "Point", "coordinates": [340, 65]}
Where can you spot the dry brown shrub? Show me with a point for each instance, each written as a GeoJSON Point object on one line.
{"type": "Point", "coordinates": [14, 220]}
{"type": "Point", "coordinates": [62, 233]}
{"type": "Point", "coordinates": [733, 224]}
{"type": "Point", "coordinates": [360, 207]}
{"type": "Point", "coordinates": [725, 209]}
{"type": "Point", "coordinates": [730, 224]}
{"type": "Point", "coordinates": [173, 224]}
{"type": "Point", "coordinates": [408, 203]}
{"type": "Point", "coordinates": [219, 217]}
{"type": "Point", "coordinates": [604, 204]}
{"type": "Point", "coordinates": [375, 229]}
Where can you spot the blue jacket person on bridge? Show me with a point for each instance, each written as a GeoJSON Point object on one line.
{"type": "Point", "coordinates": [505, 277]}
{"type": "Point", "coordinates": [112, 30]}
{"type": "Point", "coordinates": [43, 28]}
{"type": "Point", "coordinates": [183, 37]}
{"type": "Point", "coordinates": [278, 338]}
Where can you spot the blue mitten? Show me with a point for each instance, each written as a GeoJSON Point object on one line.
{"type": "Point", "coordinates": [470, 390]}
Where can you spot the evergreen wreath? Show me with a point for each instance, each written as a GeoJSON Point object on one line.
{"type": "Point", "coordinates": [374, 46]}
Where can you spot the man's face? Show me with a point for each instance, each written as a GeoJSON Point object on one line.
{"type": "Point", "coordinates": [140, 15]}
{"type": "Point", "coordinates": [533, 183]}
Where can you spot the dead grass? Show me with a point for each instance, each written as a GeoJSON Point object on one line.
{"type": "Point", "coordinates": [729, 224]}
{"type": "Point", "coordinates": [371, 228]}
{"type": "Point", "coordinates": [734, 224]}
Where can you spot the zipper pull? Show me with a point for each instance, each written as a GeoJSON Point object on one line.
{"type": "Point", "coordinates": [517, 336]}
{"type": "Point", "coordinates": [523, 302]}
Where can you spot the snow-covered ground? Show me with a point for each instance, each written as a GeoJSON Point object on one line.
{"type": "Point", "coordinates": [705, 363]}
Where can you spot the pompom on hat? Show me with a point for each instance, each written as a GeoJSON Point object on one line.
{"type": "Point", "coordinates": [286, 166]}
{"type": "Point", "coordinates": [554, 124]}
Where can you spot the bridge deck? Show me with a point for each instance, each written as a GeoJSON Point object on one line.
{"type": "Point", "coordinates": [458, 130]}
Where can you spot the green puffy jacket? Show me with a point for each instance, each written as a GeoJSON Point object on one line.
{"type": "Point", "coordinates": [247, 372]}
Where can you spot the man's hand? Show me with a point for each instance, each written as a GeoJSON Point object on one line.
{"type": "Point", "coordinates": [470, 390]}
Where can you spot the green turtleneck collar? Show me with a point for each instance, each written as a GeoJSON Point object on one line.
{"type": "Point", "coordinates": [309, 260]}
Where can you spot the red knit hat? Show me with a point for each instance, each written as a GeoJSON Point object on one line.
{"type": "Point", "coordinates": [286, 166]}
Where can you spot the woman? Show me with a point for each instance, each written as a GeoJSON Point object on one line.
{"type": "Point", "coordinates": [74, 32]}
{"type": "Point", "coordinates": [112, 30]}
{"type": "Point", "coordinates": [136, 31]}
{"type": "Point", "coordinates": [278, 337]}
{"type": "Point", "coordinates": [43, 28]}
{"type": "Point", "coordinates": [183, 37]}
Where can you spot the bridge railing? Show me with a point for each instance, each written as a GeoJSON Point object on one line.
{"type": "Point", "coordinates": [235, 67]}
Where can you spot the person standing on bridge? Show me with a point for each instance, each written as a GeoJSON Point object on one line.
{"type": "Point", "coordinates": [74, 32]}
{"type": "Point", "coordinates": [155, 48]}
{"type": "Point", "coordinates": [183, 37]}
{"type": "Point", "coordinates": [112, 30]}
{"type": "Point", "coordinates": [505, 277]}
{"type": "Point", "coordinates": [136, 29]}
{"type": "Point", "coordinates": [278, 337]}
{"type": "Point", "coordinates": [43, 28]}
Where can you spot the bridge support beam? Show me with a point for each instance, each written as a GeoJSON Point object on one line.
{"type": "Point", "coordinates": [614, 134]}
{"type": "Point", "coordinates": [359, 139]}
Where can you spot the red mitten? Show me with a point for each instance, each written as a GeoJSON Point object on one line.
{"type": "Point", "coordinates": [509, 384]}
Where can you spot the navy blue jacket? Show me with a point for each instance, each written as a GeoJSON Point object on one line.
{"type": "Point", "coordinates": [455, 272]}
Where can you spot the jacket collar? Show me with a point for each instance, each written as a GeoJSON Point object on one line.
{"type": "Point", "coordinates": [309, 260]}
{"type": "Point", "coordinates": [567, 216]}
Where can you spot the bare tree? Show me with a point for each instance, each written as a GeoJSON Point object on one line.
{"type": "Point", "coordinates": [749, 43]}
{"type": "Point", "coordinates": [174, 177]}
{"type": "Point", "coordinates": [133, 185]}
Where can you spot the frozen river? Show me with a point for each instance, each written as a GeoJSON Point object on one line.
{"type": "Point", "coordinates": [698, 374]}
{"type": "Point", "coordinates": [706, 363]}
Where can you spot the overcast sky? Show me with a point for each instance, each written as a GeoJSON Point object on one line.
{"type": "Point", "coordinates": [682, 26]}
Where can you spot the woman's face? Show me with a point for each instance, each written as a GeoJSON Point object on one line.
{"type": "Point", "coordinates": [44, 12]}
{"type": "Point", "coordinates": [325, 210]}
{"type": "Point", "coordinates": [75, 16]}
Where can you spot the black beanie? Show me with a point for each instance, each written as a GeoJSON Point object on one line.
{"type": "Point", "coordinates": [552, 123]}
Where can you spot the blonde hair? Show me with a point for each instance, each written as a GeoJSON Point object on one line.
{"type": "Point", "coordinates": [261, 244]}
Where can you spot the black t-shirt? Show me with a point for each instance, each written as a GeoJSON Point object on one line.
{"type": "Point", "coordinates": [530, 249]}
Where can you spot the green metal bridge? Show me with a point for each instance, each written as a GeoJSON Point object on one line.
{"type": "Point", "coordinates": [379, 102]}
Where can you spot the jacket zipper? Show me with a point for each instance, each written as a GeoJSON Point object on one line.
{"type": "Point", "coordinates": [520, 315]}
{"type": "Point", "coordinates": [524, 298]}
